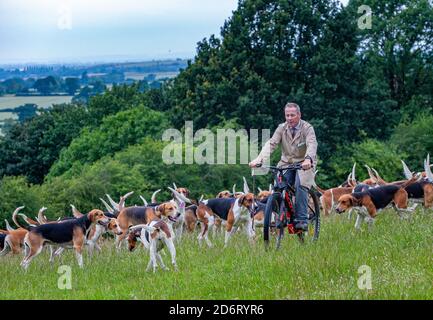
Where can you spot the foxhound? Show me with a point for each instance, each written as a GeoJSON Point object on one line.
{"type": "Point", "coordinates": [234, 211]}
{"type": "Point", "coordinates": [154, 236]}
{"type": "Point", "coordinates": [71, 232]}
{"type": "Point", "coordinates": [131, 216]}
{"type": "Point", "coordinates": [375, 199]}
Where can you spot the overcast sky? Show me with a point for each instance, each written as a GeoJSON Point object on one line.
{"type": "Point", "coordinates": [106, 30]}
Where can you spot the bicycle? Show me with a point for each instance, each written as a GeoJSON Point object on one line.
{"type": "Point", "coordinates": [280, 206]}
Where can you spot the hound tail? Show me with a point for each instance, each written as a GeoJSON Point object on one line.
{"type": "Point", "coordinates": [14, 219]}
{"type": "Point", "coordinates": [318, 188]}
{"type": "Point", "coordinates": [413, 180]}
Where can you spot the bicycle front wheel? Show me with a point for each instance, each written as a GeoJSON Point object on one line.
{"type": "Point", "coordinates": [271, 217]}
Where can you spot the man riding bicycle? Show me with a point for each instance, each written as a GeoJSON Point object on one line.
{"type": "Point", "coordinates": [299, 145]}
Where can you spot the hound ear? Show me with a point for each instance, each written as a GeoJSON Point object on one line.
{"type": "Point", "coordinates": [354, 202]}
{"type": "Point", "coordinates": [242, 199]}
{"type": "Point", "coordinates": [161, 208]}
{"type": "Point", "coordinates": [91, 215]}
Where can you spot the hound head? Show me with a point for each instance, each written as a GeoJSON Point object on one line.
{"type": "Point", "coordinates": [133, 237]}
{"type": "Point", "coordinates": [183, 191]}
{"type": "Point", "coordinates": [113, 226]}
{"type": "Point", "coordinates": [263, 195]}
{"type": "Point", "coordinates": [248, 201]}
{"type": "Point", "coordinates": [369, 181]}
{"type": "Point", "coordinates": [345, 202]}
{"type": "Point", "coordinates": [224, 194]}
{"type": "Point", "coordinates": [167, 210]}
{"type": "Point", "coordinates": [97, 216]}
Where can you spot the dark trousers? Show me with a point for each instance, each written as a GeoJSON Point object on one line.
{"type": "Point", "coordinates": [301, 194]}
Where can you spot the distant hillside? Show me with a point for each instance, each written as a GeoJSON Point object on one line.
{"type": "Point", "coordinates": [71, 70]}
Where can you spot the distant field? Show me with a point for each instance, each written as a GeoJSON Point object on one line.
{"type": "Point", "coordinates": [139, 76]}
{"type": "Point", "coordinates": [7, 115]}
{"type": "Point", "coordinates": [399, 253]}
{"type": "Point", "coordinates": [43, 102]}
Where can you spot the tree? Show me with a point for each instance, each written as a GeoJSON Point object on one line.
{"type": "Point", "coordinates": [72, 85]}
{"type": "Point", "coordinates": [46, 85]}
{"type": "Point", "coordinates": [16, 192]}
{"type": "Point", "coordinates": [399, 47]}
{"type": "Point", "coordinates": [116, 132]}
{"type": "Point", "coordinates": [31, 147]}
{"type": "Point", "coordinates": [414, 138]}
{"type": "Point", "coordinates": [14, 85]}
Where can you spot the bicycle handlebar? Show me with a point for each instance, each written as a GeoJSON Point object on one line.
{"type": "Point", "coordinates": [295, 166]}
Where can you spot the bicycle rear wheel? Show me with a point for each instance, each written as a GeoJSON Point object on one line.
{"type": "Point", "coordinates": [313, 219]}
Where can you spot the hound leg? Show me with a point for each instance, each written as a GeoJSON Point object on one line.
{"type": "Point", "coordinates": [170, 245]}
{"type": "Point", "coordinates": [91, 246]}
{"type": "Point", "coordinates": [79, 256]}
{"type": "Point", "coordinates": [208, 242]}
{"type": "Point", "coordinates": [250, 231]}
{"type": "Point", "coordinates": [204, 232]}
{"type": "Point", "coordinates": [26, 251]}
{"type": "Point", "coordinates": [149, 265]}
{"type": "Point", "coordinates": [211, 224]}
{"type": "Point", "coordinates": [229, 232]}
{"type": "Point", "coordinates": [153, 254]}
{"type": "Point", "coordinates": [51, 260]}
{"type": "Point", "coordinates": [59, 251]}
{"type": "Point", "coordinates": [227, 238]}
{"type": "Point", "coordinates": [180, 230]}
{"type": "Point", "coordinates": [370, 223]}
{"type": "Point", "coordinates": [358, 222]}
{"type": "Point", "coordinates": [32, 253]}
{"type": "Point", "coordinates": [349, 215]}
{"type": "Point", "coordinates": [161, 262]}
{"type": "Point", "coordinates": [78, 241]}
{"type": "Point", "coordinates": [6, 249]}
{"type": "Point", "coordinates": [120, 239]}
{"type": "Point", "coordinates": [143, 239]}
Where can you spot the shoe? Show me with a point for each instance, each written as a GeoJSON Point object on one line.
{"type": "Point", "coordinates": [301, 225]}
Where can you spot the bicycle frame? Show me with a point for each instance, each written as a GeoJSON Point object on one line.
{"type": "Point", "coordinates": [287, 212]}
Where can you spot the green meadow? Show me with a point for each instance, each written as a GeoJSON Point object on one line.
{"type": "Point", "coordinates": [399, 253]}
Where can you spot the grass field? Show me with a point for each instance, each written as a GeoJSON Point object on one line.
{"type": "Point", "coordinates": [399, 253]}
{"type": "Point", "coordinates": [42, 102]}
{"type": "Point", "coordinates": [140, 76]}
{"type": "Point", "coordinates": [8, 115]}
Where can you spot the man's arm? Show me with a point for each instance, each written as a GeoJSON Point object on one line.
{"type": "Point", "coordinates": [269, 147]}
{"type": "Point", "coordinates": [311, 143]}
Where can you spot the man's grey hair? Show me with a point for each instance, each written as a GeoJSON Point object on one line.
{"type": "Point", "coordinates": [292, 105]}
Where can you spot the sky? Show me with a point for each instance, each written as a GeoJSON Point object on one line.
{"type": "Point", "coordinates": [74, 31]}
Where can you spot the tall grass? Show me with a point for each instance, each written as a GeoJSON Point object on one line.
{"type": "Point", "coordinates": [399, 253]}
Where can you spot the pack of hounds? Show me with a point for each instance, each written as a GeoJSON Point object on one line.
{"type": "Point", "coordinates": [158, 225]}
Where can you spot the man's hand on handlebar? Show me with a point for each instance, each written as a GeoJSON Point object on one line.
{"type": "Point", "coordinates": [306, 165]}
{"type": "Point", "coordinates": [255, 164]}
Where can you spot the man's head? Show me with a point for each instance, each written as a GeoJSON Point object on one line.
{"type": "Point", "coordinates": [292, 113]}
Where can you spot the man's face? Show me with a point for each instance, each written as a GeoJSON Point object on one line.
{"type": "Point", "coordinates": [292, 116]}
